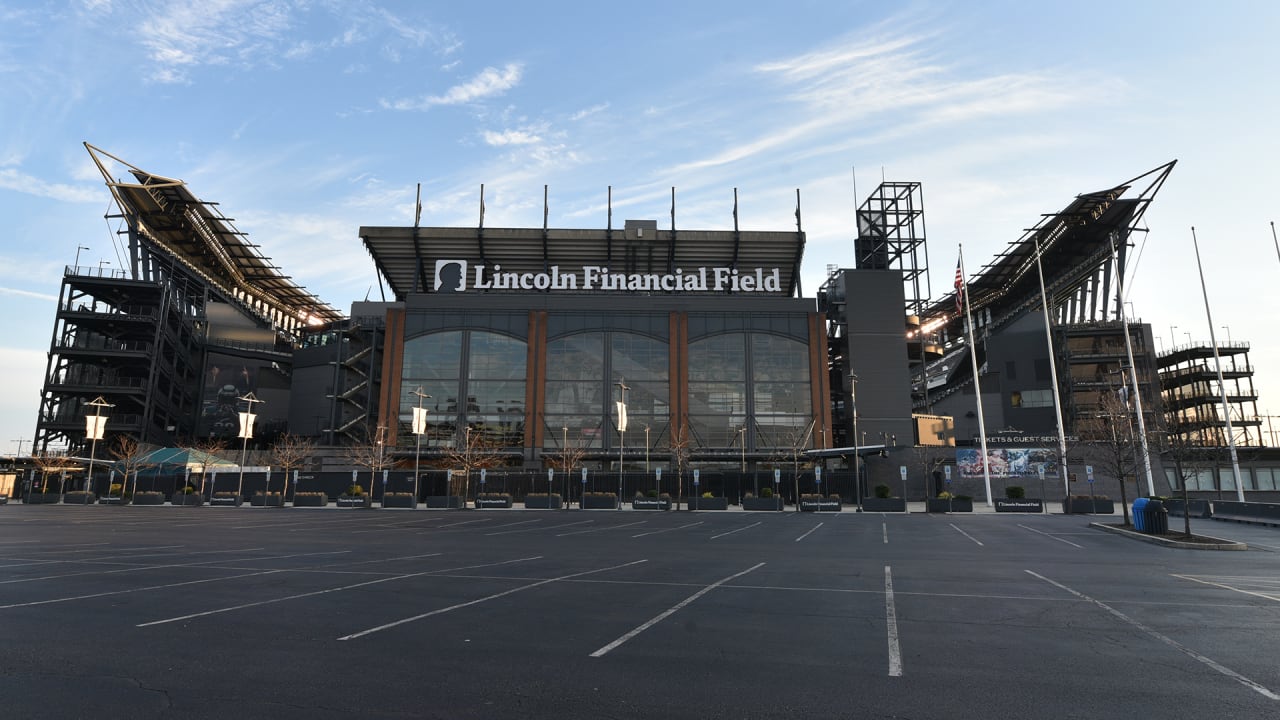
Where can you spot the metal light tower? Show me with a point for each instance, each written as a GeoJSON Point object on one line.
{"type": "Point", "coordinates": [94, 428]}
{"type": "Point", "coordinates": [246, 432]}
{"type": "Point", "coordinates": [853, 403]}
{"type": "Point", "coordinates": [419, 429]}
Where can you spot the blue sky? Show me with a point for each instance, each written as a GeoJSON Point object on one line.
{"type": "Point", "coordinates": [306, 119]}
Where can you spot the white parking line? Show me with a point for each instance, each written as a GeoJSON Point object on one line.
{"type": "Point", "coordinates": [815, 527]}
{"type": "Point", "coordinates": [1055, 537]}
{"type": "Point", "coordinates": [553, 527]}
{"type": "Point", "coordinates": [1166, 640]}
{"type": "Point", "coordinates": [138, 568]}
{"type": "Point", "coordinates": [891, 618]}
{"type": "Point", "coordinates": [655, 532]}
{"type": "Point", "coordinates": [967, 534]}
{"type": "Point", "coordinates": [613, 527]}
{"type": "Point", "coordinates": [670, 611]}
{"type": "Point", "coordinates": [322, 592]}
{"type": "Point", "coordinates": [487, 598]}
{"type": "Point", "coordinates": [141, 589]}
{"type": "Point", "coordinates": [1265, 582]}
{"type": "Point", "coordinates": [744, 527]}
{"type": "Point", "coordinates": [884, 529]}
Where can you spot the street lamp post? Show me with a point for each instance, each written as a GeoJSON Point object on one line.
{"type": "Point", "coordinates": [419, 429]}
{"type": "Point", "coordinates": [246, 432]}
{"type": "Point", "coordinates": [78, 249]}
{"type": "Point", "coordinates": [568, 469]}
{"type": "Point", "coordinates": [853, 405]}
{"type": "Point", "coordinates": [622, 432]}
{"type": "Point", "coordinates": [94, 427]}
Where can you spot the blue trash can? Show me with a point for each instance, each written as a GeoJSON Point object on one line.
{"type": "Point", "coordinates": [1140, 514]}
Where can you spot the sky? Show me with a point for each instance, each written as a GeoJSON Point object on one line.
{"type": "Point", "coordinates": [306, 119]}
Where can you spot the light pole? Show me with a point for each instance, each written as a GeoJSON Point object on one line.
{"type": "Point", "coordinates": [853, 405]}
{"type": "Point", "coordinates": [100, 264]}
{"type": "Point", "coordinates": [568, 469]}
{"type": "Point", "coordinates": [622, 432]}
{"type": "Point", "coordinates": [742, 439]}
{"type": "Point", "coordinates": [419, 429]}
{"type": "Point", "coordinates": [381, 442]}
{"type": "Point", "coordinates": [78, 249]}
{"type": "Point", "coordinates": [246, 432]}
{"type": "Point", "coordinates": [94, 426]}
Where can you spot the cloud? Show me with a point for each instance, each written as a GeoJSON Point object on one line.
{"type": "Point", "coordinates": [28, 294]}
{"type": "Point", "coordinates": [511, 137]}
{"type": "Point", "coordinates": [587, 112]}
{"type": "Point", "coordinates": [490, 82]}
{"type": "Point", "coordinates": [12, 179]}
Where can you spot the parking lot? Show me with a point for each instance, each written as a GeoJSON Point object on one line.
{"type": "Point", "coordinates": [270, 613]}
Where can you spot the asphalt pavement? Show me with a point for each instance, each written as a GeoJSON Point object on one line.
{"type": "Point", "coordinates": [247, 613]}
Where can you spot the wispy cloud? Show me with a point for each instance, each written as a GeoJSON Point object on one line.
{"type": "Point", "coordinates": [28, 294]}
{"type": "Point", "coordinates": [521, 136]}
{"type": "Point", "coordinates": [490, 82]}
{"type": "Point", "coordinates": [587, 112]}
{"type": "Point", "coordinates": [12, 179]}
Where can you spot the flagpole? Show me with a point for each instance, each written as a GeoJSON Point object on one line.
{"type": "Point", "coordinates": [1222, 386]}
{"type": "Point", "coordinates": [1133, 369]}
{"type": "Point", "coordinates": [977, 386]}
{"type": "Point", "coordinates": [1053, 372]}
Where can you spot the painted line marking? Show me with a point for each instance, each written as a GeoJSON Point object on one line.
{"type": "Point", "coordinates": [1166, 640]}
{"type": "Point", "coordinates": [553, 527]}
{"type": "Point", "coordinates": [884, 528]}
{"type": "Point", "coordinates": [967, 534]}
{"type": "Point", "coordinates": [133, 590]}
{"type": "Point", "coordinates": [670, 611]}
{"type": "Point", "coordinates": [815, 527]}
{"type": "Point", "coordinates": [165, 567]}
{"type": "Point", "coordinates": [744, 527]}
{"type": "Point", "coordinates": [1224, 586]}
{"type": "Point", "coordinates": [487, 598]}
{"type": "Point", "coordinates": [614, 527]}
{"type": "Point", "coordinates": [1055, 537]}
{"type": "Point", "coordinates": [891, 618]}
{"type": "Point", "coordinates": [655, 532]}
{"type": "Point", "coordinates": [319, 592]}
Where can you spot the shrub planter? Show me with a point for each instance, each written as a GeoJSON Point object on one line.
{"type": "Point", "coordinates": [399, 500]}
{"type": "Point", "coordinates": [148, 498]}
{"type": "Point", "coordinates": [773, 504]}
{"type": "Point", "coordinates": [814, 504]}
{"type": "Point", "coordinates": [271, 500]}
{"type": "Point", "coordinates": [942, 505]}
{"type": "Point", "coordinates": [599, 501]}
{"type": "Point", "coordinates": [229, 499]}
{"type": "Point", "coordinates": [1024, 505]}
{"type": "Point", "coordinates": [354, 501]}
{"type": "Point", "coordinates": [190, 499]}
{"type": "Point", "coordinates": [648, 503]}
{"type": "Point", "coordinates": [310, 499]}
{"type": "Point", "coordinates": [444, 501]}
{"type": "Point", "coordinates": [113, 500]}
{"type": "Point", "coordinates": [892, 504]}
{"type": "Point", "coordinates": [541, 501]}
{"type": "Point", "coordinates": [493, 500]}
{"type": "Point", "coordinates": [43, 498]}
{"type": "Point", "coordinates": [697, 502]}
{"type": "Point", "coordinates": [1088, 506]}
{"type": "Point", "coordinates": [4, 499]}
{"type": "Point", "coordinates": [84, 498]}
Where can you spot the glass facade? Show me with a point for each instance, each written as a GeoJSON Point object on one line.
{"type": "Point", "coordinates": [475, 379]}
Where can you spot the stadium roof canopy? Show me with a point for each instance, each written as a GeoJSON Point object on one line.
{"type": "Point", "coordinates": [406, 256]}
{"type": "Point", "coordinates": [1076, 246]}
{"type": "Point", "coordinates": [164, 211]}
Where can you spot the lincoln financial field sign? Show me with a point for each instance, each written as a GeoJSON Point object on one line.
{"type": "Point", "coordinates": [453, 276]}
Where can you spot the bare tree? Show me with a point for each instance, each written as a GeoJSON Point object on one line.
{"type": "Point", "coordinates": [368, 452]}
{"type": "Point", "coordinates": [1112, 442]}
{"type": "Point", "coordinates": [679, 445]}
{"type": "Point", "coordinates": [928, 460]}
{"type": "Point", "coordinates": [205, 451]}
{"type": "Point", "coordinates": [291, 452]}
{"type": "Point", "coordinates": [795, 442]}
{"type": "Point", "coordinates": [477, 452]}
{"type": "Point", "coordinates": [48, 464]}
{"type": "Point", "coordinates": [129, 454]}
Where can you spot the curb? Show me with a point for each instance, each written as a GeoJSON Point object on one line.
{"type": "Point", "coordinates": [1223, 544]}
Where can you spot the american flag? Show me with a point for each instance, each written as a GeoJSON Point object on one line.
{"type": "Point", "coordinates": [959, 287]}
